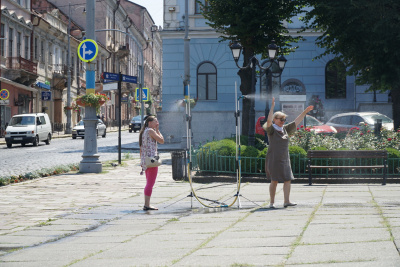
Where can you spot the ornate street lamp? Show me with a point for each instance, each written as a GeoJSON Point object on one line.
{"type": "Point", "coordinates": [236, 49]}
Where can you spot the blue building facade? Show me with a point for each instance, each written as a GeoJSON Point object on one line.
{"type": "Point", "coordinates": [213, 75]}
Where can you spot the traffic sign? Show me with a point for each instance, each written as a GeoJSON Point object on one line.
{"type": "Point", "coordinates": [108, 76]}
{"type": "Point", "coordinates": [4, 94]}
{"type": "Point", "coordinates": [87, 50]}
{"type": "Point", "coordinates": [46, 96]}
{"type": "Point", "coordinates": [129, 79]}
{"type": "Point", "coordinates": [145, 94]}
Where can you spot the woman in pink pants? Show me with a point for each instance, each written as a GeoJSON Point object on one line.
{"type": "Point", "coordinates": [149, 136]}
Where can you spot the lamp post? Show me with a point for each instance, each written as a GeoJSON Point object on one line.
{"type": "Point", "coordinates": [236, 49]}
{"type": "Point", "coordinates": [68, 126]}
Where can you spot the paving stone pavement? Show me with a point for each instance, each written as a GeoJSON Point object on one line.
{"type": "Point", "coordinates": [79, 219]}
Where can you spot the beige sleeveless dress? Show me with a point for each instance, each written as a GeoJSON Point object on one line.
{"type": "Point", "coordinates": [277, 160]}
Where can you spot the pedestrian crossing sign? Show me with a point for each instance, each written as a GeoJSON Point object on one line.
{"type": "Point", "coordinates": [145, 94]}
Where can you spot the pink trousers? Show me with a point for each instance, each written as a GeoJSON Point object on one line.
{"type": "Point", "coordinates": [151, 175]}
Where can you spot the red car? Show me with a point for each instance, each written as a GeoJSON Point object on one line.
{"type": "Point", "coordinates": [311, 122]}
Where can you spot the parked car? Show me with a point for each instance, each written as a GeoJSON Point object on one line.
{"type": "Point", "coordinates": [343, 122]}
{"type": "Point", "coordinates": [79, 129]}
{"type": "Point", "coordinates": [311, 122]}
{"type": "Point", "coordinates": [28, 128]}
{"type": "Point", "coordinates": [135, 124]}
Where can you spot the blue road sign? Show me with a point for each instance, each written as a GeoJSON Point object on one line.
{"type": "Point", "coordinates": [46, 96]}
{"type": "Point", "coordinates": [145, 95]}
{"type": "Point", "coordinates": [108, 81]}
{"type": "Point", "coordinates": [129, 79]}
{"type": "Point", "coordinates": [87, 50]}
{"type": "Point", "coordinates": [109, 76]}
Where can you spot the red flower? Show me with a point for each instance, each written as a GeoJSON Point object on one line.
{"type": "Point", "coordinates": [368, 131]}
{"type": "Point", "coordinates": [298, 128]}
{"type": "Point", "coordinates": [389, 139]}
{"type": "Point", "coordinates": [361, 134]}
{"type": "Point", "coordinates": [303, 127]}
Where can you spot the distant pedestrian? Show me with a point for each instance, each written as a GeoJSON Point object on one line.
{"type": "Point", "coordinates": [277, 160]}
{"type": "Point", "coordinates": [149, 136]}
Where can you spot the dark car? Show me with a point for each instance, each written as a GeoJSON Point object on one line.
{"type": "Point", "coordinates": [343, 122]}
{"type": "Point", "coordinates": [135, 124]}
{"type": "Point", "coordinates": [311, 122]}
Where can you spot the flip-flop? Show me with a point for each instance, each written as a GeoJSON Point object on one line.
{"type": "Point", "coordinates": [149, 208]}
{"type": "Point", "coordinates": [289, 204]}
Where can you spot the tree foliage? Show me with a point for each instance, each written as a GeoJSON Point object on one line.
{"type": "Point", "coordinates": [253, 23]}
{"type": "Point", "coordinates": [365, 35]}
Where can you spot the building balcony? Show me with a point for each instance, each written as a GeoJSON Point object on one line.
{"type": "Point", "coordinates": [123, 51]}
{"type": "Point", "coordinates": [60, 71]}
{"type": "Point", "coordinates": [20, 70]}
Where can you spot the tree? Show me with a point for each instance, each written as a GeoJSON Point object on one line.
{"type": "Point", "coordinates": [253, 23]}
{"type": "Point", "coordinates": [364, 34]}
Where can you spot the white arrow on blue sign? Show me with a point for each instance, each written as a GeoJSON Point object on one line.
{"type": "Point", "coordinates": [87, 50]}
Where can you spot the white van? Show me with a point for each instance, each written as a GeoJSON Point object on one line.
{"type": "Point", "coordinates": [28, 128]}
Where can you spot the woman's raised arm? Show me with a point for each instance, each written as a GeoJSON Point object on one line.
{"type": "Point", "coordinates": [303, 114]}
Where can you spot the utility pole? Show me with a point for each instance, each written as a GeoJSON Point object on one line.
{"type": "Point", "coordinates": [90, 162]}
{"type": "Point", "coordinates": [68, 126]}
{"type": "Point", "coordinates": [186, 54]}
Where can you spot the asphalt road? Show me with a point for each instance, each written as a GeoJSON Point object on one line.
{"type": "Point", "coordinates": [20, 160]}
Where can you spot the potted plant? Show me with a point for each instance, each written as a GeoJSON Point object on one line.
{"type": "Point", "coordinates": [92, 100]}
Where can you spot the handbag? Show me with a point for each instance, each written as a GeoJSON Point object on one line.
{"type": "Point", "coordinates": [152, 161]}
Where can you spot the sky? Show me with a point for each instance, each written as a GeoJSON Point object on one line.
{"type": "Point", "coordinates": [154, 7]}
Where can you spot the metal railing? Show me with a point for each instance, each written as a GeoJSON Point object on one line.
{"type": "Point", "coordinates": [206, 160]}
{"type": "Point", "coordinates": [21, 63]}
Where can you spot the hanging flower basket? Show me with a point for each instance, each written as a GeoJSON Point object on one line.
{"type": "Point", "coordinates": [81, 103]}
{"type": "Point", "coordinates": [92, 100]}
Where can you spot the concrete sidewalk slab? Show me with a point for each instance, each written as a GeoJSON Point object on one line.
{"type": "Point", "coordinates": [97, 220]}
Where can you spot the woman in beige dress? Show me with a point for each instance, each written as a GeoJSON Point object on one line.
{"type": "Point", "coordinates": [277, 160]}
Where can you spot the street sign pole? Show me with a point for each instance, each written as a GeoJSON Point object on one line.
{"type": "Point", "coordinates": [90, 162]}
{"type": "Point", "coordinates": [141, 96]}
{"type": "Point", "coordinates": [119, 117]}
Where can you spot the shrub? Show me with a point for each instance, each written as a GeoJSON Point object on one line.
{"type": "Point", "coordinates": [263, 153]}
{"type": "Point", "coordinates": [297, 154]}
{"type": "Point", "coordinates": [319, 148]}
{"type": "Point", "coordinates": [207, 156]}
{"type": "Point", "coordinates": [393, 166]}
{"type": "Point", "coordinates": [249, 164]}
{"type": "Point", "coordinates": [297, 150]}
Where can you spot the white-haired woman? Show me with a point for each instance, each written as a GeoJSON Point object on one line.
{"type": "Point", "coordinates": [277, 160]}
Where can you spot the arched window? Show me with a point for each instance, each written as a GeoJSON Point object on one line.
{"type": "Point", "coordinates": [207, 81]}
{"type": "Point", "coordinates": [335, 79]}
{"type": "Point", "coordinates": [198, 7]}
